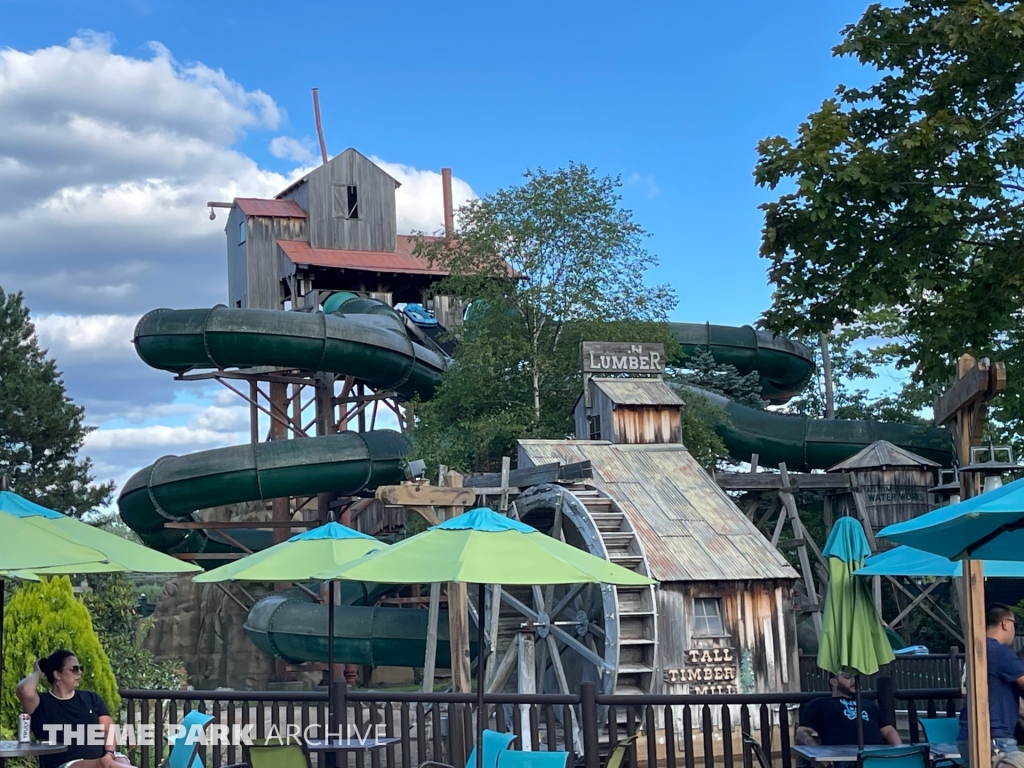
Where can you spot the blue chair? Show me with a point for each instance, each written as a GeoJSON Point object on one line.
{"type": "Point", "coordinates": [515, 759]}
{"type": "Point", "coordinates": [494, 743]}
{"type": "Point", "coordinates": [907, 756]}
{"type": "Point", "coordinates": [942, 730]}
{"type": "Point", "coordinates": [185, 755]}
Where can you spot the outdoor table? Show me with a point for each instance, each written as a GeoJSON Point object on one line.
{"type": "Point", "coordinates": [347, 745]}
{"type": "Point", "coordinates": [340, 746]}
{"type": "Point", "coordinates": [847, 753]}
{"type": "Point", "coordinates": [30, 749]}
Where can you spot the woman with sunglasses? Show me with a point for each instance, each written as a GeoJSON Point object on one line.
{"type": "Point", "coordinates": [67, 706]}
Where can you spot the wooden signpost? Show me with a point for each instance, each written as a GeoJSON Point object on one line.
{"type": "Point", "coordinates": [963, 408]}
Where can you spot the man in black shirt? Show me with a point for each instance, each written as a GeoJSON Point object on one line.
{"type": "Point", "coordinates": [833, 720]}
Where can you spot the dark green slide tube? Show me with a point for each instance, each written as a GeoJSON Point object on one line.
{"type": "Point", "coordinates": [296, 630]}
{"type": "Point", "coordinates": [804, 443]}
{"type": "Point", "coordinates": [785, 366]}
{"type": "Point", "coordinates": [374, 348]}
{"type": "Point", "coordinates": [175, 486]}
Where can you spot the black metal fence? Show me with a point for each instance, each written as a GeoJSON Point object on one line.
{"type": "Point", "coordinates": [676, 731]}
{"type": "Point", "coordinates": [933, 670]}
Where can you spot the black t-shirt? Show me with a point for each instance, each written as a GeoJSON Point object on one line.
{"type": "Point", "coordinates": [835, 720]}
{"type": "Point", "coordinates": [84, 708]}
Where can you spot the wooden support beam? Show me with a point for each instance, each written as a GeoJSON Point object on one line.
{"type": "Point", "coordinates": [458, 601]}
{"type": "Point", "coordinates": [771, 481]}
{"type": "Point", "coordinates": [430, 656]}
{"type": "Point", "coordinates": [425, 495]}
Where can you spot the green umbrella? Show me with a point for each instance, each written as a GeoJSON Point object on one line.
{"type": "Point", "coordinates": [300, 558]}
{"type": "Point", "coordinates": [483, 547]}
{"type": "Point", "coordinates": [853, 638]}
{"type": "Point", "coordinates": [119, 554]}
{"type": "Point", "coordinates": [25, 547]}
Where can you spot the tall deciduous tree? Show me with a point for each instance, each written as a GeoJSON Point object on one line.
{"type": "Point", "coordinates": [906, 196]}
{"type": "Point", "coordinates": [547, 264]}
{"type": "Point", "coordinates": [41, 429]}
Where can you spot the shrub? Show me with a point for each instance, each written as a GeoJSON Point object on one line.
{"type": "Point", "coordinates": [40, 618]}
{"type": "Point", "coordinates": [112, 604]}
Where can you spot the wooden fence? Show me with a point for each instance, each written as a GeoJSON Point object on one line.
{"type": "Point", "coordinates": [675, 731]}
{"type": "Point", "coordinates": [934, 670]}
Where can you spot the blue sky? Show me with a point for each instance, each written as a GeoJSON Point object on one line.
{"type": "Point", "coordinates": [671, 96]}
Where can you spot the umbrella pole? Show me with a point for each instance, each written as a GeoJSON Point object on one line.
{"type": "Point", "coordinates": [481, 656]}
{"type": "Point", "coordinates": [330, 655]}
{"type": "Point", "coordinates": [860, 719]}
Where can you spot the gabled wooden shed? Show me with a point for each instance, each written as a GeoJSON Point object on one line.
{"type": "Point", "coordinates": [632, 411]}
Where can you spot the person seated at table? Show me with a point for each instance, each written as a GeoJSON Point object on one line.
{"type": "Point", "coordinates": [1005, 679]}
{"type": "Point", "coordinates": [67, 705]}
{"type": "Point", "coordinates": [832, 720]}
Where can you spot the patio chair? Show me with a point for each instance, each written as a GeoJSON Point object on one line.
{"type": "Point", "coordinates": [260, 754]}
{"type": "Point", "coordinates": [757, 750]}
{"type": "Point", "coordinates": [906, 756]}
{"type": "Point", "coordinates": [494, 742]}
{"type": "Point", "coordinates": [618, 753]}
{"type": "Point", "coordinates": [515, 759]}
{"type": "Point", "coordinates": [942, 730]}
{"type": "Point", "coordinates": [185, 755]}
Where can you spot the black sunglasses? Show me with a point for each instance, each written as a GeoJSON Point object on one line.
{"type": "Point", "coordinates": [76, 668]}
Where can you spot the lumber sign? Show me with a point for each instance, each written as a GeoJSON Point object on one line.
{"type": "Point", "coordinates": [616, 357]}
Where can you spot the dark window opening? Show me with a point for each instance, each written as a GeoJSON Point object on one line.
{"type": "Point", "coordinates": [238, 303]}
{"type": "Point", "coordinates": [707, 617]}
{"type": "Point", "coordinates": [594, 422]}
{"type": "Point", "coordinates": [241, 232]}
{"type": "Point", "coordinates": [352, 198]}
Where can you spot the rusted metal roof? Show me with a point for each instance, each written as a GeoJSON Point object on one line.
{"type": "Point", "coordinates": [689, 528]}
{"type": "Point", "coordinates": [401, 262]}
{"type": "Point", "coordinates": [254, 206]}
{"type": "Point", "coordinates": [880, 455]}
{"type": "Point", "coordinates": [638, 391]}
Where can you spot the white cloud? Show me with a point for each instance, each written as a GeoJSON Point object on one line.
{"type": "Point", "coordinates": [420, 199]}
{"type": "Point", "coordinates": [645, 184]}
{"type": "Point", "coordinates": [93, 337]}
{"type": "Point", "coordinates": [157, 435]}
{"type": "Point", "coordinates": [299, 150]}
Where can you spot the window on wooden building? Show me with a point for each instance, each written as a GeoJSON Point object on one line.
{"type": "Point", "coordinates": [241, 231]}
{"type": "Point", "coordinates": [707, 617]}
{"type": "Point", "coordinates": [346, 201]}
{"type": "Point", "coordinates": [594, 423]}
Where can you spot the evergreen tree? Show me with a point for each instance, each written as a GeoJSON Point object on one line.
{"type": "Point", "coordinates": [39, 619]}
{"type": "Point", "coordinates": [703, 372]}
{"type": "Point", "coordinates": [41, 429]}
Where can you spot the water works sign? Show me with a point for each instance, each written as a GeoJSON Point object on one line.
{"type": "Point", "coordinates": [618, 357]}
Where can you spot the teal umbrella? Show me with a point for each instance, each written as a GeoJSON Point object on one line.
{"type": "Point", "coordinates": [986, 527]}
{"type": "Point", "coordinates": [907, 561]}
{"type": "Point", "coordinates": [853, 637]}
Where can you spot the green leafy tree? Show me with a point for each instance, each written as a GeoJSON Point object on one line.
{"type": "Point", "coordinates": [548, 264]}
{"type": "Point", "coordinates": [112, 604]}
{"type": "Point", "coordinates": [702, 371]}
{"type": "Point", "coordinates": [41, 429]}
{"type": "Point", "coordinates": [39, 619]}
{"type": "Point", "coordinates": [906, 196]}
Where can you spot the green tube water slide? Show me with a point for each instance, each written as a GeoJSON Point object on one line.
{"type": "Point", "coordinates": [367, 339]}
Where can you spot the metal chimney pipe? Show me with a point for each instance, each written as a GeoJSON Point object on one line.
{"type": "Point", "coordinates": [449, 213]}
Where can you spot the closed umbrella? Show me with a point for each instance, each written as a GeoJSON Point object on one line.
{"type": "Point", "coordinates": [482, 547]}
{"type": "Point", "coordinates": [853, 638]}
{"type": "Point", "coordinates": [301, 558]}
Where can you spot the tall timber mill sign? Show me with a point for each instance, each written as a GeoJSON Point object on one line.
{"type": "Point", "coordinates": [707, 670]}
{"type": "Point", "coordinates": [608, 357]}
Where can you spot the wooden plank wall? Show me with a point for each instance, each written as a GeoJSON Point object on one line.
{"type": "Point", "coordinates": [238, 283]}
{"type": "Point", "coordinates": [645, 424]}
{"type": "Point", "coordinates": [895, 495]}
{"type": "Point", "coordinates": [758, 618]}
{"type": "Point", "coordinates": [264, 267]}
{"type": "Point", "coordinates": [375, 229]}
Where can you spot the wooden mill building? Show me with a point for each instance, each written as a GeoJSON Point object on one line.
{"type": "Point", "coordinates": [723, 613]}
{"type": "Point", "coordinates": [334, 229]}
